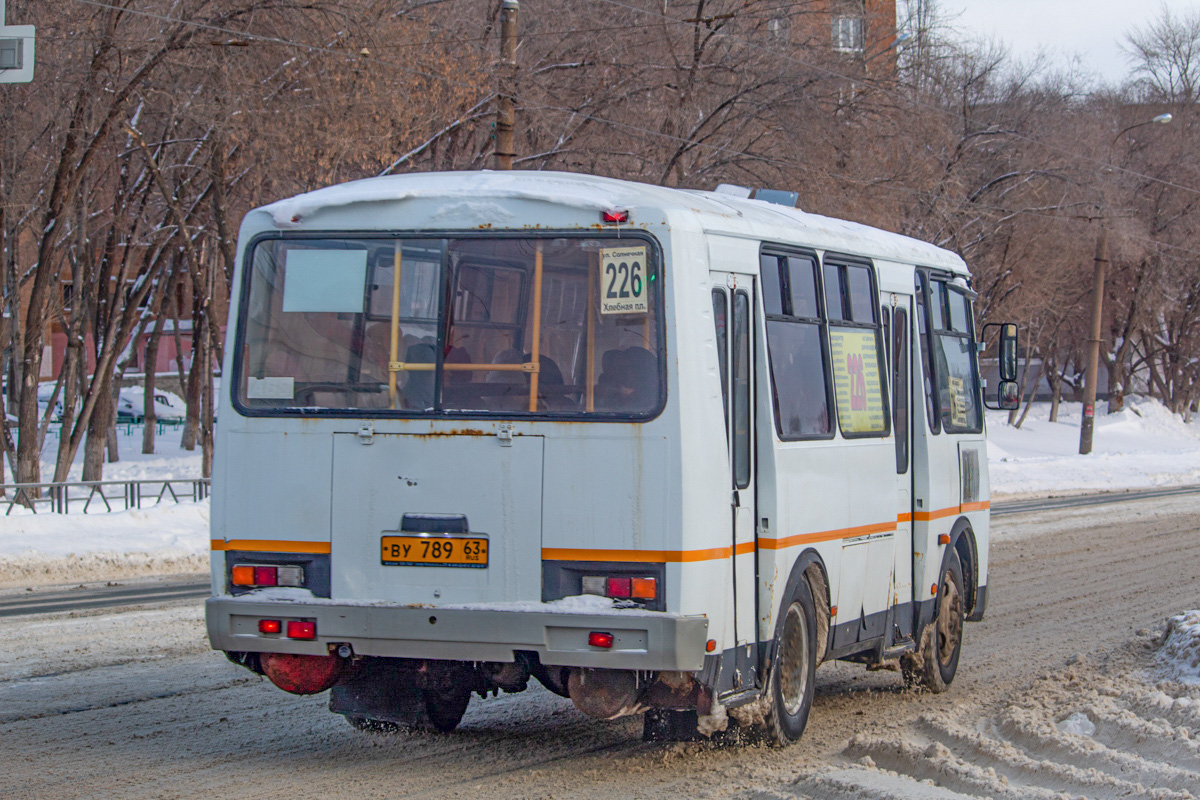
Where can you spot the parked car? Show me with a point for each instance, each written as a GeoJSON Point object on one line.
{"type": "Point", "coordinates": [131, 405]}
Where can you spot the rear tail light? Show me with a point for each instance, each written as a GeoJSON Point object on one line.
{"type": "Point", "coordinates": [301, 630]}
{"type": "Point", "coordinates": [621, 587]}
{"type": "Point", "coordinates": [644, 588]}
{"type": "Point", "coordinates": [269, 626]}
{"type": "Point", "coordinates": [266, 576]}
{"type": "Point", "coordinates": [259, 575]}
{"type": "Point", "coordinates": [600, 639]}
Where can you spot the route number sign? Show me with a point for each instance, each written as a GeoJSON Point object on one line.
{"type": "Point", "coordinates": [623, 280]}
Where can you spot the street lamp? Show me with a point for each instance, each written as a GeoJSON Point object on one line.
{"type": "Point", "coordinates": [1087, 425]}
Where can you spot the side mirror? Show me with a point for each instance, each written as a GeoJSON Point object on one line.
{"type": "Point", "coordinates": [1008, 394]}
{"type": "Point", "coordinates": [1008, 351]}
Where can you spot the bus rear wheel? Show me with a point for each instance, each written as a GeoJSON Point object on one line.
{"type": "Point", "coordinates": [936, 670]}
{"type": "Point", "coordinates": [790, 686]}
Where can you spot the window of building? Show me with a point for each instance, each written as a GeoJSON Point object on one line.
{"type": "Point", "coordinates": [848, 34]}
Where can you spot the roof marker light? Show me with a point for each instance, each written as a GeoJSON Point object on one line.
{"type": "Point", "coordinates": [615, 216]}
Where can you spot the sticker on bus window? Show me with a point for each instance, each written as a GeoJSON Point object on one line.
{"type": "Point", "coordinates": [856, 380]}
{"type": "Point", "coordinates": [958, 402]}
{"type": "Point", "coordinates": [270, 388]}
{"type": "Point", "coordinates": [325, 280]}
{"type": "Point", "coordinates": [623, 279]}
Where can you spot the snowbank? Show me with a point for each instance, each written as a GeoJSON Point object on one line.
{"type": "Point", "coordinates": [1179, 655]}
{"type": "Point", "coordinates": [1143, 446]}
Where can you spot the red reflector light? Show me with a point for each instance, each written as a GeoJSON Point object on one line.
{"type": "Point", "coordinates": [619, 587]}
{"type": "Point", "coordinates": [615, 217]}
{"type": "Point", "coordinates": [301, 630]}
{"type": "Point", "coordinates": [269, 626]}
{"type": "Point", "coordinates": [265, 576]}
{"type": "Point", "coordinates": [644, 588]}
{"type": "Point", "coordinates": [599, 639]}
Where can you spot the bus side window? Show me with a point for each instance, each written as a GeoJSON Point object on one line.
{"type": "Point", "coordinates": [720, 319]}
{"type": "Point", "coordinates": [931, 410]}
{"type": "Point", "coordinates": [795, 346]}
{"type": "Point", "coordinates": [856, 349]}
{"type": "Point", "coordinates": [741, 389]}
{"type": "Point", "coordinates": [900, 384]}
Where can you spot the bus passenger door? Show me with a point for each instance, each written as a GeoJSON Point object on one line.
{"type": "Point", "coordinates": [738, 392]}
{"type": "Point", "coordinates": [899, 334]}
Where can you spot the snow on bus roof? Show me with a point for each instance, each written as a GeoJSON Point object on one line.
{"type": "Point", "coordinates": [721, 213]}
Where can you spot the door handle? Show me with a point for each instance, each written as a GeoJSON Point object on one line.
{"type": "Point", "coordinates": [737, 499]}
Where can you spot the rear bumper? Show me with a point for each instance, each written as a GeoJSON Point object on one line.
{"type": "Point", "coordinates": [642, 641]}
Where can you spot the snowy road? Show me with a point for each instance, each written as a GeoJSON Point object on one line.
{"type": "Point", "coordinates": [132, 704]}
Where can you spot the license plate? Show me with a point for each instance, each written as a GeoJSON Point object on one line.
{"type": "Point", "coordinates": [434, 550]}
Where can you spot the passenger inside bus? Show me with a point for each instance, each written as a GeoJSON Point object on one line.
{"type": "Point", "coordinates": [629, 380]}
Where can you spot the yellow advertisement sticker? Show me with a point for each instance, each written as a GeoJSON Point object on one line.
{"type": "Point", "coordinates": [856, 380]}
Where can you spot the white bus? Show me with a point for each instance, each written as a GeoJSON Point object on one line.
{"type": "Point", "coordinates": [664, 451]}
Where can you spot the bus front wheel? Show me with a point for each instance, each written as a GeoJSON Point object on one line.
{"type": "Point", "coordinates": [790, 687]}
{"type": "Point", "coordinates": [936, 669]}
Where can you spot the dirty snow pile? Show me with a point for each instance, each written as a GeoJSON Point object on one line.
{"type": "Point", "coordinates": [1179, 657]}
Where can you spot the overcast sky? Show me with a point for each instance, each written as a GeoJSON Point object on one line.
{"type": "Point", "coordinates": [1091, 28]}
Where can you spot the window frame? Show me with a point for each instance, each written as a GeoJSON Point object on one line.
{"type": "Point", "coordinates": [440, 239]}
{"type": "Point", "coordinates": [785, 252]}
{"type": "Point", "coordinates": [841, 262]}
{"type": "Point", "coordinates": [948, 332]}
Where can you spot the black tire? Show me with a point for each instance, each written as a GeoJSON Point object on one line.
{"type": "Point", "coordinates": [793, 669]}
{"type": "Point", "coordinates": [940, 663]}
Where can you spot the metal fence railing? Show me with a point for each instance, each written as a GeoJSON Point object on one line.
{"type": "Point", "coordinates": [65, 497]}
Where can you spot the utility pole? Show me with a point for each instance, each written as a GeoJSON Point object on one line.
{"type": "Point", "coordinates": [505, 114]}
{"type": "Point", "coordinates": [1089, 380]}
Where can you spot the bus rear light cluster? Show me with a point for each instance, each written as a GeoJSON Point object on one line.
{"type": "Point", "coordinates": [257, 575]}
{"type": "Point", "coordinates": [296, 629]}
{"type": "Point", "coordinates": [301, 630]}
{"type": "Point", "coordinates": [622, 587]}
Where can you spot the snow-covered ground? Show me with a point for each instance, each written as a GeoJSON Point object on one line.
{"type": "Point", "coordinates": [1143, 446]}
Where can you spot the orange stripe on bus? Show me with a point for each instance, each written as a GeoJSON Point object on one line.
{"type": "Point", "coordinates": [928, 516]}
{"type": "Point", "coordinates": [271, 546]}
{"type": "Point", "coordinates": [826, 536]}
{"type": "Point", "coordinates": [640, 556]}
{"type": "Point", "coordinates": [743, 548]}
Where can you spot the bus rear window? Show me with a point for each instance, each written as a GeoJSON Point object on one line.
{"type": "Point", "coordinates": [490, 325]}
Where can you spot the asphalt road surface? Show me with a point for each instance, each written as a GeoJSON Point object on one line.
{"type": "Point", "coordinates": [131, 704]}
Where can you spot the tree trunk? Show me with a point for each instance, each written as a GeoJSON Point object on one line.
{"type": "Point", "coordinates": [97, 430]}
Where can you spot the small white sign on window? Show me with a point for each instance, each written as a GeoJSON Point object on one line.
{"type": "Point", "coordinates": [270, 388]}
{"type": "Point", "coordinates": [325, 280]}
{"type": "Point", "coordinates": [623, 279]}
